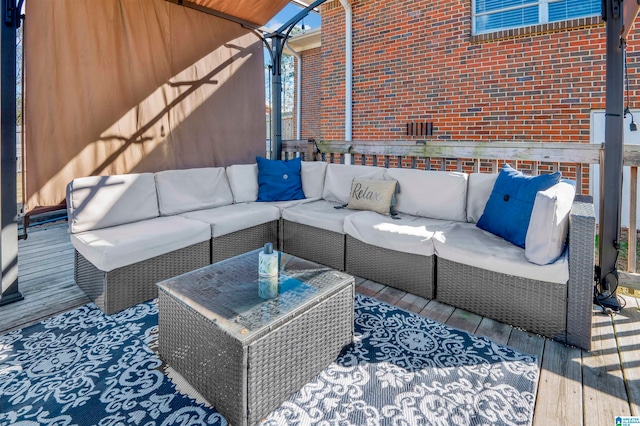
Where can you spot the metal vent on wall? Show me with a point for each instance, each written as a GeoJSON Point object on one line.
{"type": "Point", "coordinates": [420, 129]}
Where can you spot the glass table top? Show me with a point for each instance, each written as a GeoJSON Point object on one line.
{"type": "Point", "coordinates": [232, 295]}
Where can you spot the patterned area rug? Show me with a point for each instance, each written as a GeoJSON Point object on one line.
{"type": "Point", "coordinates": [83, 368]}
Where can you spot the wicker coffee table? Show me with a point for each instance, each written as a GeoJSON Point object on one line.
{"type": "Point", "coordinates": [246, 344]}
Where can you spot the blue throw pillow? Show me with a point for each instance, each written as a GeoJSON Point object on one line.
{"type": "Point", "coordinates": [279, 180]}
{"type": "Point", "coordinates": [508, 210]}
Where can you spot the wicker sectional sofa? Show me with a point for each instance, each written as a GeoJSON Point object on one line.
{"type": "Point", "coordinates": [131, 231]}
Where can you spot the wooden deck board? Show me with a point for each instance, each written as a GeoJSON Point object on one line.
{"type": "Point", "coordinates": [369, 288]}
{"type": "Point", "coordinates": [494, 330]}
{"type": "Point", "coordinates": [574, 387]}
{"type": "Point", "coordinates": [437, 311]}
{"type": "Point", "coordinates": [626, 325]}
{"type": "Point", "coordinates": [559, 393]}
{"type": "Point", "coordinates": [527, 343]}
{"type": "Point", "coordinates": [390, 295]}
{"type": "Point", "coordinates": [464, 320]}
{"type": "Point", "coordinates": [604, 392]}
{"type": "Point", "coordinates": [412, 303]}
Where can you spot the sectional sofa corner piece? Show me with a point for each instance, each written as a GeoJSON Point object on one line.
{"type": "Point", "coordinates": [131, 231]}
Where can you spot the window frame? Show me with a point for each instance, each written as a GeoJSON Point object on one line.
{"type": "Point", "coordinates": [543, 15]}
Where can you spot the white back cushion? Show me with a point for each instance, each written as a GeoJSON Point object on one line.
{"type": "Point", "coordinates": [95, 202]}
{"type": "Point", "coordinates": [549, 223]}
{"type": "Point", "coordinates": [337, 181]}
{"type": "Point", "coordinates": [243, 179]}
{"type": "Point", "coordinates": [313, 178]}
{"type": "Point", "coordinates": [192, 189]}
{"type": "Point", "coordinates": [432, 194]}
{"type": "Point", "coordinates": [478, 193]}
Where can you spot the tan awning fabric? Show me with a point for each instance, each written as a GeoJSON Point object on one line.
{"type": "Point", "coordinates": [258, 12]}
{"type": "Point", "coordinates": [120, 86]}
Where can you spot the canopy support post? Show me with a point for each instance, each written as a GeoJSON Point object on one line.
{"type": "Point", "coordinates": [277, 43]}
{"type": "Point", "coordinates": [8, 178]}
{"type": "Point", "coordinates": [278, 39]}
{"type": "Point", "coordinates": [611, 195]}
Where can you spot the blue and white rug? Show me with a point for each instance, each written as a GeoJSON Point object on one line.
{"type": "Point", "coordinates": [85, 368]}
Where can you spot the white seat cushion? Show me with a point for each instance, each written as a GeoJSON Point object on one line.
{"type": "Point", "coordinates": [281, 205]}
{"type": "Point", "coordinates": [338, 177]}
{"type": "Point", "coordinates": [235, 217]}
{"type": "Point", "coordinates": [319, 214]}
{"type": "Point", "coordinates": [95, 202]}
{"type": "Point", "coordinates": [192, 189]}
{"type": "Point", "coordinates": [123, 245]}
{"type": "Point", "coordinates": [409, 234]}
{"type": "Point", "coordinates": [313, 173]}
{"type": "Point", "coordinates": [467, 244]}
{"type": "Point", "coordinates": [434, 194]}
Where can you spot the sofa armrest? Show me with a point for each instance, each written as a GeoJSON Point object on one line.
{"type": "Point", "coordinates": [582, 229]}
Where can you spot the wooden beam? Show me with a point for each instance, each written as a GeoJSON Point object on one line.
{"type": "Point", "coordinates": [629, 280]}
{"type": "Point", "coordinates": [553, 152]}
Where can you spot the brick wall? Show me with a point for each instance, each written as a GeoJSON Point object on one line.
{"type": "Point", "coordinates": [310, 110]}
{"type": "Point", "coordinates": [332, 71]}
{"type": "Point", "coordinates": [417, 61]}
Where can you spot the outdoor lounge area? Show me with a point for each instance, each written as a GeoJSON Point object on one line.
{"type": "Point", "coordinates": [448, 237]}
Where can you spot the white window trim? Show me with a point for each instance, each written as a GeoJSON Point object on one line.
{"type": "Point", "coordinates": [543, 15]}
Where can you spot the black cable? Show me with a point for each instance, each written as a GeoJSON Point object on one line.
{"type": "Point", "coordinates": [612, 292]}
{"type": "Point", "coordinates": [626, 76]}
{"type": "Point", "coordinates": [633, 127]}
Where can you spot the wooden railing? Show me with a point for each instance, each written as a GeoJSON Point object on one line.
{"type": "Point", "coordinates": [573, 159]}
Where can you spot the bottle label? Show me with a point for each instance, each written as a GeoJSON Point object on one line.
{"type": "Point", "coordinates": [268, 264]}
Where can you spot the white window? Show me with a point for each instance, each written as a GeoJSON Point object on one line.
{"type": "Point", "coordinates": [496, 15]}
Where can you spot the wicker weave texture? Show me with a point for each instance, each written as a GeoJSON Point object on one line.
{"type": "Point", "coordinates": [121, 288]}
{"type": "Point", "coordinates": [213, 362]}
{"type": "Point", "coordinates": [90, 279]}
{"type": "Point", "coordinates": [245, 383]}
{"type": "Point", "coordinates": [536, 306]}
{"type": "Point", "coordinates": [280, 236]}
{"type": "Point", "coordinates": [286, 359]}
{"type": "Point", "coordinates": [242, 241]}
{"type": "Point", "coordinates": [581, 270]}
{"type": "Point", "coordinates": [315, 244]}
{"type": "Point", "coordinates": [405, 271]}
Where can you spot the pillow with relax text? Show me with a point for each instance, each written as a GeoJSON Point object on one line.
{"type": "Point", "coordinates": [508, 211]}
{"type": "Point", "coordinates": [279, 180]}
{"type": "Point", "coordinates": [372, 194]}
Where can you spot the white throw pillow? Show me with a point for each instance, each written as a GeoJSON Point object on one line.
{"type": "Point", "coordinates": [429, 193]}
{"type": "Point", "coordinates": [313, 178]}
{"type": "Point", "coordinates": [243, 179]}
{"type": "Point", "coordinates": [549, 224]}
{"type": "Point", "coordinates": [337, 182]}
{"type": "Point", "coordinates": [478, 193]}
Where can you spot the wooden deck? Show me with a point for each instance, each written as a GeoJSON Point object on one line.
{"type": "Point", "coordinates": [45, 278]}
{"type": "Point", "coordinates": [574, 388]}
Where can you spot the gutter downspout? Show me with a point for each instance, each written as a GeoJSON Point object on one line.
{"type": "Point", "coordinates": [348, 118]}
{"type": "Point", "coordinates": [298, 88]}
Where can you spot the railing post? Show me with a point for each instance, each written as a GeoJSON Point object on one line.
{"type": "Point", "coordinates": [311, 150]}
